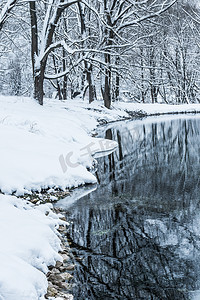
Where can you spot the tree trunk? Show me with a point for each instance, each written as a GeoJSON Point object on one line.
{"type": "Point", "coordinates": [106, 93]}
{"type": "Point", "coordinates": [108, 72]}
{"type": "Point", "coordinates": [34, 33]}
{"type": "Point", "coordinates": [154, 94]}
{"type": "Point", "coordinates": [39, 83]}
{"type": "Point", "coordinates": [117, 81]}
{"type": "Point", "coordinates": [107, 87]}
{"type": "Point", "coordinates": [38, 73]}
{"type": "Point", "coordinates": [65, 77]}
{"type": "Point", "coordinates": [88, 69]}
{"type": "Point", "coordinates": [91, 86]}
{"type": "Point", "coordinates": [142, 74]}
{"type": "Point", "coordinates": [38, 88]}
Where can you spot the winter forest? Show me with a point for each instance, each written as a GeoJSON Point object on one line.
{"type": "Point", "coordinates": [100, 149]}
{"type": "Point", "coordinates": [139, 50]}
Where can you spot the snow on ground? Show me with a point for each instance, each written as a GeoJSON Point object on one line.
{"type": "Point", "coordinates": [29, 243]}
{"type": "Point", "coordinates": [158, 109]}
{"type": "Point", "coordinates": [46, 146]}
{"type": "Point", "coordinates": [43, 147]}
{"type": "Point", "coordinates": [123, 110]}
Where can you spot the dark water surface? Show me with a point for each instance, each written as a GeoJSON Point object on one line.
{"type": "Point", "coordinates": [138, 235]}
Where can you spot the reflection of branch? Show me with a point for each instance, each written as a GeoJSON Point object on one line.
{"type": "Point", "coordinates": [85, 249]}
{"type": "Point", "coordinates": [101, 282]}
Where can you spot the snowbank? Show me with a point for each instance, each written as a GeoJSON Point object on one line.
{"type": "Point", "coordinates": [124, 110]}
{"type": "Point", "coordinates": [46, 146]}
{"type": "Point", "coordinates": [158, 109]}
{"type": "Point", "coordinates": [29, 243]}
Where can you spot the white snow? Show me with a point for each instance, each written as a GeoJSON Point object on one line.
{"type": "Point", "coordinates": [157, 108]}
{"type": "Point", "coordinates": [29, 243]}
{"type": "Point", "coordinates": [5, 9]}
{"type": "Point", "coordinates": [119, 110]}
{"type": "Point", "coordinates": [46, 147]}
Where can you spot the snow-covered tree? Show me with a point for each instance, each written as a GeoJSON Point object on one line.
{"type": "Point", "coordinates": [6, 8]}
{"type": "Point", "coordinates": [42, 39]}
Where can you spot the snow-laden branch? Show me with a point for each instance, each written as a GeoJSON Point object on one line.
{"type": "Point", "coordinates": [120, 15]}
{"type": "Point", "coordinates": [66, 72]}
{"type": "Point", "coordinates": [66, 4]}
{"type": "Point", "coordinates": [45, 29]}
{"type": "Point", "coordinates": [69, 50]}
{"type": "Point", "coordinates": [52, 16]}
{"type": "Point", "coordinates": [54, 46]}
{"type": "Point", "coordinates": [5, 11]}
{"type": "Point", "coordinates": [146, 17]}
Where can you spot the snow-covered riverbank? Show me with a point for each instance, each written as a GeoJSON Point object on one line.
{"type": "Point", "coordinates": [29, 244]}
{"type": "Point", "coordinates": [51, 146]}
{"type": "Point", "coordinates": [47, 147]}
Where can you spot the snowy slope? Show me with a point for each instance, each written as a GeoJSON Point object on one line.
{"type": "Point", "coordinates": [44, 146]}
{"type": "Point", "coordinates": [29, 243]}
{"type": "Point", "coordinates": [120, 110]}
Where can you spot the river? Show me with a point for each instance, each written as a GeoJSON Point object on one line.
{"type": "Point", "coordinates": [137, 235]}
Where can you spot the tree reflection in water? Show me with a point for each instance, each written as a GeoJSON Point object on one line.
{"type": "Point", "coordinates": [138, 234]}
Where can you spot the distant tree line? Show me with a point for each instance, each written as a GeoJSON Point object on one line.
{"type": "Point", "coordinates": [140, 50]}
